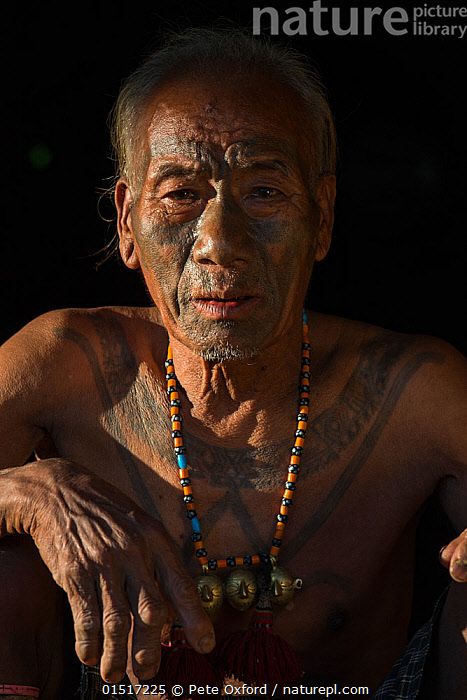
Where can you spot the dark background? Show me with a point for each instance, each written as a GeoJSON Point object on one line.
{"type": "Point", "coordinates": [398, 255]}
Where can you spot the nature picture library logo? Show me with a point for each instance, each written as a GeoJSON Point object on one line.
{"type": "Point", "coordinates": [320, 20]}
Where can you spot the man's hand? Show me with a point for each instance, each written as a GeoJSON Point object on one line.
{"type": "Point", "coordinates": [454, 558]}
{"type": "Point", "coordinates": [113, 560]}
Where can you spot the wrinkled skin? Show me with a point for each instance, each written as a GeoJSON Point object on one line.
{"type": "Point", "coordinates": [103, 550]}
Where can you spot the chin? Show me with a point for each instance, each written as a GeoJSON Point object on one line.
{"type": "Point", "coordinates": [227, 352]}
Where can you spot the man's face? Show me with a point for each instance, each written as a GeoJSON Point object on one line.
{"type": "Point", "coordinates": [224, 224]}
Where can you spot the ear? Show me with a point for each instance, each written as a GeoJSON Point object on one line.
{"type": "Point", "coordinates": [325, 196]}
{"type": "Point", "coordinates": [124, 203]}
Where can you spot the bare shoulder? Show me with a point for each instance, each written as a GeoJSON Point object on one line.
{"type": "Point", "coordinates": [427, 374]}
{"type": "Point", "coordinates": [53, 359]}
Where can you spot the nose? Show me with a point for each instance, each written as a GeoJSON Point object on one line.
{"type": "Point", "coordinates": [222, 236]}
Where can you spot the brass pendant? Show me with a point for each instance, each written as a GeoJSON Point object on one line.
{"type": "Point", "coordinates": [241, 589]}
{"type": "Point", "coordinates": [210, 592]}
{"type": "Point", "coordinates": [283, 586]}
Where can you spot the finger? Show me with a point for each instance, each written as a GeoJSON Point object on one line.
{"type": "Point", "coordinates": [453, 556]}
{"type": "Point", "coordinates": [86, 618]}
{"type": "Point", "coordinates": [116, 624]}
{"type": "Point", "coordinates": [149, 616]}
{"type": "Point", "coordinates": [458, 564]}
{"type": "Point", "coordinates": [181, 590]}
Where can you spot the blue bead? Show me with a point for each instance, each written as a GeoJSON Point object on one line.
{"type": "Point", "coordinates": [195, 524]}
{"type": "Point", "coordinates": [182, 461]}
{"type": "Point", "coordinates": [305, 317]}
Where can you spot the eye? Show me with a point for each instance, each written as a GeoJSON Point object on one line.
{"type": "Point", "coordinates": [183, 195]}
{"type": "Point", "coordinates": [265, 192]}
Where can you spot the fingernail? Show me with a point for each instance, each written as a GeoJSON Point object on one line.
{"type": "Point", "coordinates": [459, 569]}
{"type": "Point", "coordinates": [206, 644]}
{"type": "Point", "coordinates": [440, 554]}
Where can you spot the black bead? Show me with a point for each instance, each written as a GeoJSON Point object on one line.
{"type": "Point", "coordinates": [265, 559]}
{"type": "Point", "coordinates": [296, 450]}
{"type": "Point", "coordinates": [305, 388]}
{"type": "Point", "coordinates": [185, 482]}
{"type": "Point", "coordinates": [170, 375]}
{"type": "Point", "coordinates": [190, 514]}
{"type": "Point", "coordinates": [289, 485]}
{"type": "Point", "coordinates": [212, 564]}
{"type": "Point", "coordinates": [304, 402]}
{"type": "Point", "coordinates": [196, 537]}
{"type": "Point", "coordinates": [168, 363]}
{"type": "Point", "coordinates": [306, 346]}
{"type": "Point", "coordinates": [188, 499]}
{"type": "Point", "coordinates": [302, 417]}
{"type": "Point", "coordinates": [230, 561]}
{"type": "Point", "coordinates": [294, 468]}
{"type": "Point", "coordinates": [305, 360]}
{"type": "Point", "coordinates": [247, 560]}
{"type": "Point", "coordinates": [179, 450]}
{"type": "Point", "coordinates": [306, 375]}
{"type": "Point", "coordinates": [176, 418]}
{"type": "Point", "coordinates": [298, 433]}
{"type": "Point", "coordinates": [282, 518]}
{"type": "Point", "coordinates": [171, 390]}
{"type": "Point", "coordinates": [176, 433]}
{"type": "Point", "coordinates": [276, 542]}
{"type": "Point", "coordinates": [287, 502]}
{"type": "Point", "coordinates": [201, 552]}
{"type": "Point", "coordinates": [176, 402]}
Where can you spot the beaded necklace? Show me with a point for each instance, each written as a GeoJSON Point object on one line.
{"type": "Point", "coordinates": [242, 588]}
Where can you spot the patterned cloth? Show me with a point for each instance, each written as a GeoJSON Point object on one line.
{"type": "Point", "coordinates": [405, 679]}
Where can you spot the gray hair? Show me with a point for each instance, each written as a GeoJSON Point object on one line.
{"type": "Point", "coordinates": [207, 51]}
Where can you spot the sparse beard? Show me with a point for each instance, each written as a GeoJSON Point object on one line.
{"type": "Point", "coordinates": [226, 353]}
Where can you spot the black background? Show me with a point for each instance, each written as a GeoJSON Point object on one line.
{"type": "Point", "coordinates": [398, 254]}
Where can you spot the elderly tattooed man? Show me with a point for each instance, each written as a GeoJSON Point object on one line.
{"type": "Point", "coordinates": [223, 432]}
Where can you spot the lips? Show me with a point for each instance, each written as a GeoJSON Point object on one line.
{"type": "Point", "coordinates": [224, 305]}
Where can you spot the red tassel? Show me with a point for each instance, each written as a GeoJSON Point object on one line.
{"type": "Point", "coordinates": [181, 664]}
{"type": "Point", "coordinates": [257, 655]}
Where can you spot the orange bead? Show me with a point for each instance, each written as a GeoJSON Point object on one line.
{"type": "Point", "coordinates": [280, 526]}
{"type": "Point", "coordinates": [295, 459]}
{"type": "Point", "coordinates": [304, 409]}
{"type": "Point", "coordinates": [288, 494]}
{"type": "Point", "coordinates": [174, 395]}
{"type": "Point", "coordinates": [291, 477]}
{"type": "Point", "coordinates": [238, 561]}
{"type": "Point", "coordinates": [176, 425]}
{"type": "Point", "coordinates": [255, 559]}
{"type": "Point", "coordinates": [305, 353]}
{"type": "Point", "coordinates": [190, 506]}
{"type": "Point", "coordinates": [199, 545]}
{"type": "Point", "coordinates": [299, 442]}
{"type": "Point", "coordinates": [222, 563]}
{"type": "Point", "coordinates": [274, 551]}
{"type": "Point", "coordinates": [178, 442]}
{"type": "Point", "coordinates": [188, 490]}
{"type": "Point", "coordinates": [278, 533]}
{"type": "Point", "coordinates": [301, 425]}
{"type": "Point", "coordinates": [183, 473]}
{"type": "Point", "coordinates": [202, 560]}
{"type": "Point", "coordinates": [174, 410]}
{"type": "Point", "coordinates": [169, 353]}
{"type": "Point", "coordinates": [305, 381]}
{"type": "Point", "coordinates": [172, 382]}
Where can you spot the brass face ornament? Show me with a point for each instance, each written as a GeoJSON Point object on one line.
{"type": "Point", "coordinates": [210, 592]}
{"type": "Point", "coordinates": [241, 589]}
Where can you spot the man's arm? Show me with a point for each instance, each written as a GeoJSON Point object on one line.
{"type": "Point", "coordinates": [99, 546]}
